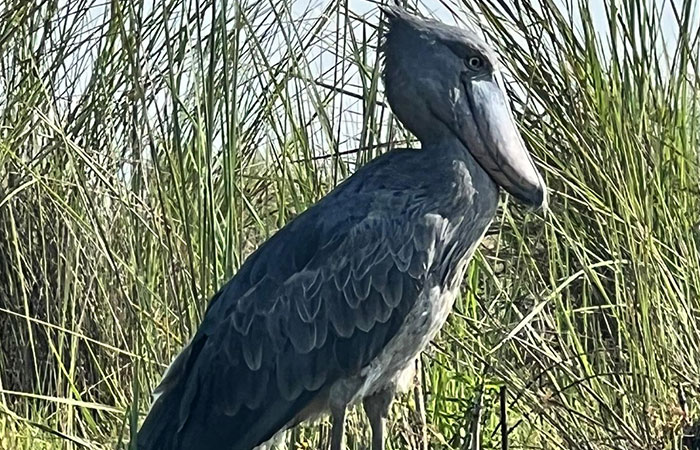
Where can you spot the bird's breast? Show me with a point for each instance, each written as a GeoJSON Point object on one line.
{"type": "Point", "coordinates": [393, 367]}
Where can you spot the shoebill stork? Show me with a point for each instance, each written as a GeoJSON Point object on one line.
{"type": "Point", "coordinates": [335, 307]}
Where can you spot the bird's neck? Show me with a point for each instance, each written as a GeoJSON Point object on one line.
{"type": "Point", "coordinates": [448, 147]}
{"type": "Point", "coordinates": [457, 166]}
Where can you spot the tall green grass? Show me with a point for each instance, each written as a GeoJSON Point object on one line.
{"type": "Point", "coordinates": [146, 150]}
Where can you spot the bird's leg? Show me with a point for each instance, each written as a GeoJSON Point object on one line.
{"type": "Point", "coordinates": [377, 408]}
{"type": "Point", "coordinates": [338, 428]}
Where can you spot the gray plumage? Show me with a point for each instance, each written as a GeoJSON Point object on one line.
{"type": "Point", "coordinates": [337, 305]}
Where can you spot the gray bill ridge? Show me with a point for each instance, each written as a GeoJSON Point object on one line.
{"type": "Point", "coordinates": [504, 157]}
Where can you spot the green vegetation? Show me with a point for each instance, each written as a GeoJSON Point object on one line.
{"type": "Point", "coordinates": [146, 150]}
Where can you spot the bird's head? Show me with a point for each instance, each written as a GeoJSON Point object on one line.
{"type": "Point", "coordinates": [444, 80]}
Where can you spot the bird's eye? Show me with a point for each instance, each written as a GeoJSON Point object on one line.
{"type": "Point", "coordinates": [475, 63]}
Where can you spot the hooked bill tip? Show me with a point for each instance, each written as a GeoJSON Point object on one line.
{"type": "Point", "coordinates": [537, 199]}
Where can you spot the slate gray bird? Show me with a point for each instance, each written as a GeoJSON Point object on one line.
{"type": "Point", "coordinates": [336, 306]}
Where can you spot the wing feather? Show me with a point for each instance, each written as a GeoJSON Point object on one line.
{"type": "Point", "coordinates": [392, 291]}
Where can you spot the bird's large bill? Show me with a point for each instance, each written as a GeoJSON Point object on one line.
{"type": "Point", "coordinates": [503, 154]}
